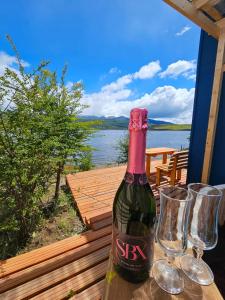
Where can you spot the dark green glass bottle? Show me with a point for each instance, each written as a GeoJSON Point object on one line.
{"type": "Point", "coordinates": [134, 209]}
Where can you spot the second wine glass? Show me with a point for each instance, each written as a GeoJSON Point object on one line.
{"type": "Point", "coordinates": [171, 234]}
{"type": "Point", "coordinates": [202, 231]}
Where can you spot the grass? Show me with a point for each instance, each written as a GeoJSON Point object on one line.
{"type": "Point", "coordinates": [63, 222]}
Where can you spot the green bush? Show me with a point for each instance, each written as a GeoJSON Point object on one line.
{"type": "Point", "coordinates": [85, 163]}
{"type": "Point", "coordinates": [122, 147]}
{"type": "Point", "coordinates": [39, 130]}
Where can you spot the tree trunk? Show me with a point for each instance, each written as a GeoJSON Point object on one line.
{"type": "Point", "coordinates": [58, 178]}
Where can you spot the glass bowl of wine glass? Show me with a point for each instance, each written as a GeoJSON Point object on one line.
{"type": "Point", "coordinates": [202, 231]}
{"type": "Point", "coordinates": [171, 235]}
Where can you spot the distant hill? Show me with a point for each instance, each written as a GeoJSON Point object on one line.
{"type": "Point", "coordinates": [122, 123]}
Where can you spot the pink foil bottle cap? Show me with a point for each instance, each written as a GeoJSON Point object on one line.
{"type": "Point", "coordinates": [138, 119]}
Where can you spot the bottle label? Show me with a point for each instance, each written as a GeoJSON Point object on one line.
{"type": "Point", "coordinates": [134, 253]}
{"type": "Point", "coordinates": [139, 179]}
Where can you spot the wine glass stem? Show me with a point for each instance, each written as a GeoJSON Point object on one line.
{"type": "Point", "coordinates": [170, 259]}
{"type": "Point", "coordinates": [198, 252]}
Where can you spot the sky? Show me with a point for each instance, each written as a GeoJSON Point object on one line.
{"type": "Point", "coordinates": [127, 53]}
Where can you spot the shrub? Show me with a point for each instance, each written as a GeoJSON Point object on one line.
{"type": "Point", "coordinates": [39, 130]}
{"type": "Point", "coordinates": [122, 147]}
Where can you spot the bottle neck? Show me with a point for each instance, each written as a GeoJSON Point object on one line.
{"type": "Point", "coordinates": [136, 153]}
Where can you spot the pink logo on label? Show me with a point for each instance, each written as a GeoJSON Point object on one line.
{"type": "Point", "coordinates": [130, 252]}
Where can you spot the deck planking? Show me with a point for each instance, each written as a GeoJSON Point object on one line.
{"type": "Point", "coordinates": [94, 191]}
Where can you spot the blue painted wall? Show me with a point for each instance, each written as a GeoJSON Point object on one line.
{"type": "Point", "coordinates": [204, 82]}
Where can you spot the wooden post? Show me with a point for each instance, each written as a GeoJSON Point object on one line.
{"type": "Point", "coordinates": [164, 160]}
{"type": "Point", "coordinates": [214, 107]}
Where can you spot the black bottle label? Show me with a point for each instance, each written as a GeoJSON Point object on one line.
{"type": "Point", "coordinates": [134, 253]}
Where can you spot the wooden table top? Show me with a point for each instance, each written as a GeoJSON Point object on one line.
{"type": "Point", "coordinates": [159, 151]}
{"type": "Point", "coordinates": [117, 288]}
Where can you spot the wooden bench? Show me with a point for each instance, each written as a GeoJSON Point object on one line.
{"type": "Point", "coordinates": [73, 268]}
{"type": "Point", "coordinates": [178, 161]}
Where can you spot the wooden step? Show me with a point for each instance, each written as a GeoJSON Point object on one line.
{"type": "Point", "coordinates": [75, 284]}
{"type": "Point", "coordinates": [92, 293]}
{"type": "Point", "coordinates": [101, 217]}
{"type": "Point", "coordinates": [98, 214]}
{"type": "Point", "coordinates": [101, 224]}
{"type": "Point", "coordinates": [36, 256]}
{"type": "Point", "coordinates": [49, 265]}
{"type": "Point", "coordinates": [41, 283]}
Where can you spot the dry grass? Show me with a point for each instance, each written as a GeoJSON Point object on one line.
{"type": "Point", "coordinates": [63, 222]}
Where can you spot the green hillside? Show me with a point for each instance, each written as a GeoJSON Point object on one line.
{"type": "Point", "coordinates": [121, 123]}
{"type": "Point", "coordinates": [104, 125]}
{"type": "Point", "coordinates": [171, 127]}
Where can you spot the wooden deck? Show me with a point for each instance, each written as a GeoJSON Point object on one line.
{"type": "Point", "coordinates": [94, 191]}
{"type": "Point", "coordinates": [73, 268]}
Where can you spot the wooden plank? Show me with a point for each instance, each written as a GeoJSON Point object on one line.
{"type": "Point", "coordinates": [106, 196]}
{"type": "Point", "coordinates": [76, 284]}
{"type": "Point", "coordinates": [214, 108]}
{"type": "Point", "coordinates": [200, 3]}
{"type": "Point", "coordinates": [187, 9]}
{"type": "Point", "coordinates": [39, 255]}
{"type": "Point", "coordinates": [44, 267]}
{"type": "Point", "coordinates": [89, 209]}
{"type": "Point", "coordinates": [81, 184]}
{"type": "Point", "coordinates": [101, 217]}
{"type": "Point", "coordinates": [212, 12]}
{"type": "Point", "coordinates": [92, 293]}
{"type": "Point", "coordinates": [98, 211]}
{"type": "Point", "coordinates": [38, 285]}
{"type": "Point", "coordinates": [101, 224]}
{"type": "Point", "coordinates": [95, 172]}
{"type": "Point", "coordinates": [221, 23]}
{"type": "Point", "coordinates": [100, 187]}
{"type": "Point", "coordinates": [103, 214]}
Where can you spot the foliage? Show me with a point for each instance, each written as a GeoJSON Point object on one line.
{"type": "Point", "coordinates": [85, 163]}
{"type": "Point", "coordinates": [123, 149]}
{"type": "Point", "coordinates": [39, 131]}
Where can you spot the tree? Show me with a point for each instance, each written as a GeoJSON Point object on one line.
{"type": "Point", "coordinates": [39, 131]}
{"type": "Point", "coordinates": [68, 132]}
{"type": "Point", "coordinates": [122, 147]}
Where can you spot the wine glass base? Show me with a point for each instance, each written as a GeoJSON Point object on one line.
{"type": "Point", "coordinates": [197, 270]}
{"type": "Point", "coordinates": [168, 277]}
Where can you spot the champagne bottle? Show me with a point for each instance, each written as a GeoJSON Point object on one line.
{"type": "Point", "coordinates": [134, 209]}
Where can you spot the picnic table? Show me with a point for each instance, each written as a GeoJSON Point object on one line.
{"type": "Point", "coordinates": [153, 152]}
{"type": "Point", "coordinates": [117, 288]}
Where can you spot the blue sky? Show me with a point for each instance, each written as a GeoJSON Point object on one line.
{"type": "Point", "coordinates": [126, 52]}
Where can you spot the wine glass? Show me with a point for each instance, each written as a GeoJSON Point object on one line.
{"type": "Point", "coordinates": [171, 234]}
{"type": "Point", "coordinates": [202, 231]}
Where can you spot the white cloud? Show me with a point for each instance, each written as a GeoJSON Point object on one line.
{"type": "Point", "coordinates": [119, 84]}
{"type": "Point", "coordinates": [183, 68]}
{"type": "Point", "coordinates": [148, 71]}
{"type": "Point", "coordinates": [114, 70]}
{"type": "Point", "coordinates": [183, 30]}
{"type": "Point", "coordinates": [8, 61]}
{"type": "Point", "coordinates": [145, 72]}
{"type": "Point", "coordinates": [166, 103]}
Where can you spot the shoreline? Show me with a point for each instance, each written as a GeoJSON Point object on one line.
{"type": "Point", "coordinates": [148, 129]}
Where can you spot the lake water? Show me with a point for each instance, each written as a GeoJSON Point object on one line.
{"type": "Point", "coordinates": [105, 142]}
